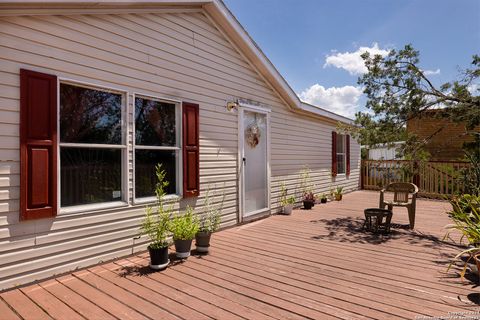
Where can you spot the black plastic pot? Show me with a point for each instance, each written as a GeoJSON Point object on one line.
{"type": "Point", "coordinates": [182, 248]}
{"type": "Point", "coordinates": [202, 241]}
{"type": "Point", "coordinates": [158, 258]}
{"type": "Point", "coordinates": [307, 204]}
{"type": "Point", "coordinates": [323, 200]}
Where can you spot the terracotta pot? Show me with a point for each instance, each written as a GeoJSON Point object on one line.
{"type": "Point", "coordinates": [338, 197]}
{"type": "Point", "coordinates": [158, 258]}
{"type": "Point", "coordinates": [182, 248]}
{"type": "Point", "coordinates": [202, 241]}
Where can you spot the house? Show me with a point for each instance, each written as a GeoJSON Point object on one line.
{"type": "Point", "coordinates": [445, 139]}
{"type": "Point", "coordinates": [94, 93]}
{"type": "Point", "coordinates": [384, 151]}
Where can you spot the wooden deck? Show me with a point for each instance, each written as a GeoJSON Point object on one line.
{"type": "Point", "coordinates": [314, 264]}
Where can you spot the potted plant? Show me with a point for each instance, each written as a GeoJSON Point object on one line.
{"type": "Point", "coordinates": [465, 215]}
{"type": "Point", "coordinates": [184, 228]}
{"type": "Point", "coordinates": [209, 223]}
{"type": "Point", "coordinates": [156, 225]}
{"type": "Point", "coordinates": [288, 205]}
{"type": "Point", "coordinates": [308, 200]}
{"type": "Point", "coordinates": [323, 198]}
{"type": "Point", "coordinates": [338, 193]}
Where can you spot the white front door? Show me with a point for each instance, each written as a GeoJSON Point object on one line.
{"type": "Point", "coordinates": [254, 161]}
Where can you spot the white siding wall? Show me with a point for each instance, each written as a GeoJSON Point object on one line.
{"type": "Point", "coordinates": [177, 55]}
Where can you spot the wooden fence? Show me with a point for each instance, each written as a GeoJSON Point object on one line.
{"type": "Point", "coordinates": [435, 179]}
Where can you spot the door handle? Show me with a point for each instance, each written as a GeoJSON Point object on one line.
{"type": "Point", "coordinates": [244, 161]}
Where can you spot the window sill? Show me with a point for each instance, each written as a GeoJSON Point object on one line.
{"type": "Point", "coordinates": [92, 207]}
{"type": "Point", "coordinates": [152, 200]}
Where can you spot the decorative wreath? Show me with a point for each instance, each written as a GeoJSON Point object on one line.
{"type": "Point", "coordinates": [253, 134]}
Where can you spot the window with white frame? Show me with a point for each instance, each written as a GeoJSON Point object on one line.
{"type": "Point", "coordinates": [341, 154]}
{"type": "Point", "coordinates": [92, 145]}
{"type": "Point", "coordinates": [157, 141]}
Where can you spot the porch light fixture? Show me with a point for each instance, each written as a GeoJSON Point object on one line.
{"type": "Point", "coordinates": [231, 105]}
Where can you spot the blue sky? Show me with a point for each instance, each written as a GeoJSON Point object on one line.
{"type": "Point", "coordinates": [299, 35]}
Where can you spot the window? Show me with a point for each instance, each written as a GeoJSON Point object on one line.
{"type": "Point", "coordinates": [92, 145]}
{"type": "Point", "coordinates": [157, 140]}
{"type": "Point", "coordinates": [341, 154]}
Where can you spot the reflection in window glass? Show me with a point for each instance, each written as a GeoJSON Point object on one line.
{"type": "Point", "coordinates": [145, 178]}
{"type": "Point", "coordinates": [89, 115]}
{"type": "Point", "coordinates": [340, 143]}
{"type": "Point", "coordinates": [341, 154]}
{"type": "Point", "coordinates": [154, 123]}
{"type": "Point", "coordinates": [90, 175]}
{"type": "Point", "coordinates": [340, 163]}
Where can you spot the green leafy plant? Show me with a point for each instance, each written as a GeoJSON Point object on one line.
{"type": "Point", "coordinates": [323, 196]}
{"type": "Point", "coordinates": [186, 226]}
{"type": "Point", "coordinates": [283, 194]}
{"type": "Point", "coordinates": [210, 220]}
{"type": "Point", "coordinates": [465, 215]}
{"type": "Point", "coordinates": [305, 180]}
{"type": "Point", "coordinates": [156, 225]}
{"type": "Point", "coordinates": [338, 191]}
{"type": "Point", "coordinates": [291, 200]}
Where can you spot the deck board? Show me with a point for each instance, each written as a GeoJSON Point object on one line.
{"type": "Point", "coordinates": [315, 264]}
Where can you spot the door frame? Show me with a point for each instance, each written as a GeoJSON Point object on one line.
{"type": "Point", "coordinates": [240, 168]}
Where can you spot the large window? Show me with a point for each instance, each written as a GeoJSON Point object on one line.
{"type": "Point", "coordinates": [341, 154]}
{"type": "Point", "coordinates": [92, 145]}
{"type": "Point", "coordinates": [156, 142]}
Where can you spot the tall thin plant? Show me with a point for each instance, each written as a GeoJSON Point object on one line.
{"type": "Point", "coordinates": [211, 218]}
{"type": "Point", "coordinates": [156, 225]}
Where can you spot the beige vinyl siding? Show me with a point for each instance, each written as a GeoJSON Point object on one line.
{"type": "Point", "coordinates": [181, 56]}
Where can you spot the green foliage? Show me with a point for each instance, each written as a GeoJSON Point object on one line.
{"type": "Point", "coordinates": [323, 196]}
{"type": "Point", "coordinates": [186, 226]}
{"type": "Point", "coordinates": [305, 180]}
{"type": "Point", "coordinates": [157, 225]}
{"type": "Point", "coordinates": [210, 220]}
{"type": "Point", "coordinates": [465, 215]}
{"type": "Point", "coordinates": [471, 175]}
{"type": "Point", "coordinates": [397, 90]}
{"type": "Point", "coordinates": [291, 200]}
{"type": "Point", "coordinates": [338, 191]}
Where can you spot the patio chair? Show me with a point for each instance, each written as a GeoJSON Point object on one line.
{"type": "Point", "coordinates": [404, 195]}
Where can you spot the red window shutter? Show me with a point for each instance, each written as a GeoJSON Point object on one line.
{"type": "Point", "coordinates": [191, 148]}
{"type": "Point", "coordinates": [347, 152]}
{"type": "Point", "coordinates": [38, 145]}
{"type": "Point", "coordinates": [334, 153]}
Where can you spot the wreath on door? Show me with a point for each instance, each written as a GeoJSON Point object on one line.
{"type": "Point", "coordinates": [253, 134]}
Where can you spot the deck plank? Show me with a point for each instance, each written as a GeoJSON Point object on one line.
{"type": "Point", "coordinates": [55, 308]}
{"type": "Point", "coordinates": [316, 264]}
{"type": "Point", "coordinates": [25, 307]}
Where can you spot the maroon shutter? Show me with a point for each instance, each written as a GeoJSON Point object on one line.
{"type": "Point", "coordinates": [347, 152]}
{"type": "Point", "coordinates": [38, 145]}
{"type": "Point", "coordinates": [334, 153]}
{"type": "Point", "coordinates": [191, 148]}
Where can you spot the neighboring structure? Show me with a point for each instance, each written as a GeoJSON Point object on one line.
{"type": "Point", "coordinates": [94, 93]}
{"type": "Point", "coordinates": [385, 152]}
{"type": "Point", "coordinates": [445, 138]}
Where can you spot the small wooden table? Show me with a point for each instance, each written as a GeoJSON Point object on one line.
{"type": "Point", "coordinates": [377, 220]}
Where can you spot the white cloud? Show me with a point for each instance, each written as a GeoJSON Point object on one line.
{"type": "Point", "coordinates": [474, 88]}
{"type": "Point", "coordinates": [352, 61]}
{"type": "Point", "coordinates": [341, 100]}
{"type": "Point", "coordinates": [431, 72]}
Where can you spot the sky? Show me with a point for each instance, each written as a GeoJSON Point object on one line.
{"type": "Point", "coordinates": [316, 44]}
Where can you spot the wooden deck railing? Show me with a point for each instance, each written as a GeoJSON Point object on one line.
{"type": "Point", "coordinates": [435, 179]}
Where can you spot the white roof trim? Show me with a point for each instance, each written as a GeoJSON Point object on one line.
{"type": "Point", "coordinates": [223, 17]}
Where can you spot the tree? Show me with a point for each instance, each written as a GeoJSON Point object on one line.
{"type": "Point", "coordinates": [397, 90]}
